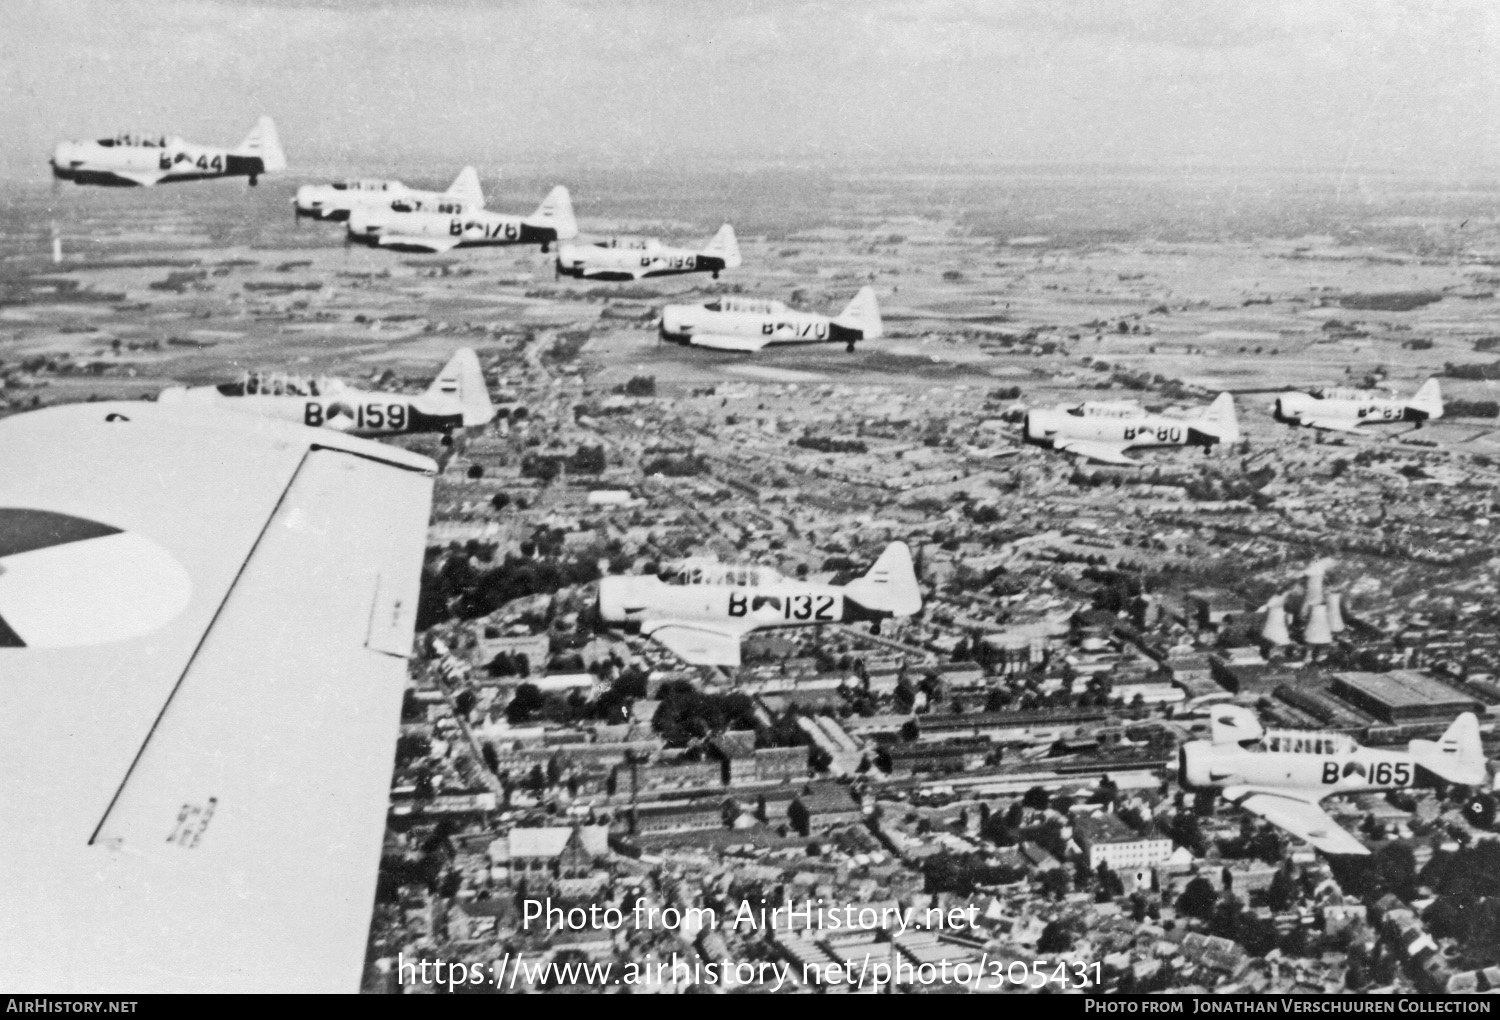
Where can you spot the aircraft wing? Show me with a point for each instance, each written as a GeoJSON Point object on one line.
{"type": "Point", "coordinates": [205, 620]}
{"type": "Point", "coordinates": [729, 343]}
{"type": "Point", "coordinates": [436, 245]}
{"type": "Point", "coordinates": [1303, 817]}
{"type": "Point", "coordinates": [145, 178]}
{"type": "Point", "coordinates": [1329, 424]}
{"type": "Point", "coordinates": [1106, 453]}
{"type": "Point", "coordinates": [698, 643]}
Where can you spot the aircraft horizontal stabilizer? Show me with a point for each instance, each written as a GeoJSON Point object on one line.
{"type": "Point", "coordinates": [1301, 817]}
{"type": "Point", "coordinates": [696, 643]}
{"type": "Point", "coordinates": [729, 343]}
{"type": "Point", "coordinates": [436, 245]}
{"type": "Point", "coordinates": [1105, 453]}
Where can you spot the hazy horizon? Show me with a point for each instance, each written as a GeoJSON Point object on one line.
{"type": "Point", "coordinates": [367, 86]}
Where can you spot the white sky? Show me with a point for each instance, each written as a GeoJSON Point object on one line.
{"type": "Point", "coordinates": [360, 86]}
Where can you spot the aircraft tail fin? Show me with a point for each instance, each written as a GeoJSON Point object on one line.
{"type": "Point", "coordinates": [1455, 757]}
{"type": "Point", "coordinates": [462, 379]}
{"type": "Point", "coordinates": [890, 586]}
{"type": "Point", "coordinates": [1428, 399]}
{"type": "Point", "coordinates": [263, 141]}
{"type": "Point", "coordinates": [863, 314]}
{"type": "Point", "coordinates": [556, 211]}
{"type": "Point", "coordinates": [465, 188]}
{"type": "Point", "coordinates": [1220, 419]}
{"type": "Point", "coordinates": [725, 246]}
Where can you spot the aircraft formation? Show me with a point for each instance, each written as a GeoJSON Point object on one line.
{"type": "Point", "coordinates": [228, 775]}
{"type": "Point", "coordinates": [1103, 431]}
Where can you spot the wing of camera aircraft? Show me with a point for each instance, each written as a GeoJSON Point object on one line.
{"type": "Point", "coordinates": [204, 626]}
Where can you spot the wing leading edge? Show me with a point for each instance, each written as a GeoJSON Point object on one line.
{"type": "Point", "coordinates": [1303, 817]}
{"type": "Point", "coordinates": [721, 342]}
{"type": "Point", "coordinates": [698, 643]}
{"type": "Point", "coordinates": [201, 807]}
{"type": "Point", "coordinates": [1105, 453]}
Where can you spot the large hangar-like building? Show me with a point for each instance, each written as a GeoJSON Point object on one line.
{"type": "Point", "coordinates": [1404, 696]}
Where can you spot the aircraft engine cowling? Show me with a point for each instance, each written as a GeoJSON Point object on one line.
{"type": "Point", "coordinates": [1039, 426]}
{"type": "Point", "coordinates": [1192, 766]}
{"type": "Point", "coordinates": [623, 599]}
{"type": "Point", "coordinates": [309, 200]}
{"type": "Point", "coordinates": [672, 322]}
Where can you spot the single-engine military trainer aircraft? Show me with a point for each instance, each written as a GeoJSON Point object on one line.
{"type": "Point", "coordinates": [438, 232]}
{"type": "Point", "coordinates": [617, 259]}
{"type": "Point", "coordinates": [335, 201]}
{"type": "Point", "coordinates": [707, 607]}
{"type": "Point", "coordinates": [457, 399]}
{"type": "Point", "coordinates": [1344, 410]}
{"type": "Point", "coordinates": [1282, 775]}
{"type": "Point", "coordinates": [1103, 432]}
{"type": "Point", "coordinates": [748, 324]}
{"type": "Point", "coordinates": [131, 159]}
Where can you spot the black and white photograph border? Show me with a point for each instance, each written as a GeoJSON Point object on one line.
{"type": "Point", "coordinates": [766, 497]}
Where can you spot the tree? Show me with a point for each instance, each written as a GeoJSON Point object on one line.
{"type": "Point", "coordinates": [1055, 938]}
{"type": "Point", "coordinates": [1283, 891]}
{"type": "Point", "coordinates": [1198, 899]}
{"type": "Point", "coordinates": [1055, 883]}
{"type": "Point", "coordinates": [1036, 798]}
{"type": "Point", "coordinates": [527, 701]}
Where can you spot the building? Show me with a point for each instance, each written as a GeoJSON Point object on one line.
{"type": "Point", "coordinates": [1211, 608]}
{"type": "Point", "coordinates": [958, 754]}
{"type": "Point", "coordinates": [489, 643]}
{"type": "Point", "coordinates": [548, 855]}
{"type": "Point", "coordinates": [1105, 839]}
{"type": "Point", "coordinates": [823, 807]}
{"type": "Point", "coordinates": [1243, 671]}
{"type": "Point", "coordinates": [1404, 695]}
{"type": "Point", "coordinates": [665, 819]}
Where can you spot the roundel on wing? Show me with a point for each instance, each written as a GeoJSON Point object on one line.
{"type": "Point", "coordinates": [67, 581]}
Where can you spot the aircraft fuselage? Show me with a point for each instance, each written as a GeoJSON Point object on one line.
{"type": "Point", "coordinates": [591, 262]}
{"type": "Point", "coordinates": [784, 604]}
{"type": "Point", "coordinates": [1044, 427]}
{"type": "Point", "coordinates": [1298, 408]}
{"type": "Point", "coordinates": [350, 411]}
{"type": "Point", "coordinates": [1205, 766]}
{"type": "Point", "coordinates": [681, 322]}
{"type": "Point", "coordinates": [473, 229]}
{"type": "Point", "coordinates": [134, 166]}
